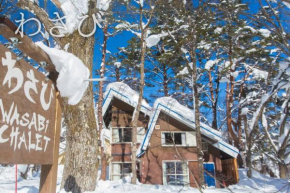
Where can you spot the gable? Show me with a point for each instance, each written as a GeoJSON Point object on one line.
{"type": "Point", "coordinates": [185, 116]}
{"type": "Point", "coordinates": [125, 98]}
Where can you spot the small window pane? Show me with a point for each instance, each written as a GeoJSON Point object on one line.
{"type": "Point", "coordinates": [171, 179]}
{"type": "Point", "coordinates": [176, 173]}
{"type": "Point", "coordinates": [168, 138]}
{"type": "Point", "coordinates": [116, 168]}
{"type": "Point", "coordinates": [170, 168]}
{"type": "Point", "coordinates": [181, 180]}
{"type": "Point", "coordinates": [180, 169]}
{"type": "Point", "coordinates": [116, 178]}
{"type": "Point", "coordinates": [127, 135]}
{"type": "Point", "coordinates": [115, 135]}
{"type": "Point", "coordinates": [177, 138]}
{"type": "Point", "coordinates": [127, 168]}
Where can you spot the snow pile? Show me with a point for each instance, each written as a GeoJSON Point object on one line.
{"type": "Point", "coordinates": [184, 71]}
{"type": "Point", "coordinates": [71, 81]}
{"type": "Point", "coordinates": [218, 30]}
{"type": "Point", "coordinates": [175, 106]}
{"type": "Point", "coordinates": [152, 40]}
{"type": "Point", "coordinates": [103, 4]}
{"type": "Point", "coordinates": [72, 9]}
{"type": "Point", "coordinates": [257, 73]}
{"type": "Point", "coordinates": [127, 91]}
{"type": "Point", "coordinates": [259, 184]}
{"type": "Point", "coordinates": [265, 32]}
{"type": "Point", "coordinates": [209, 64]}
{"type": "Point", "coordinates": [286, 4]}
{"type": "Point", "coordinates": [117, 64]}
{"type": "Point", "coordinates": [251, 29]}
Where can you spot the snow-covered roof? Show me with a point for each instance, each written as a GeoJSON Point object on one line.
{"type": "Point", "coordinates": [168, 106]}
{"type": "Point", "coordinates": [124, 93]}
{"type": "Point", "coordinates": [186, 116]}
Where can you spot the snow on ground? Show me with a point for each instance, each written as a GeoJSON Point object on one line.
{"type": "Point", "coordinates": [259, 184]}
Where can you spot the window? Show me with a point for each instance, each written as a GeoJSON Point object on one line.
{"type": "Point", "coordinates": [120, 170]}
{"type": "Point", "coordinates": [174, 138]}
{"type": "Point", "coordinates": [124, 134]}
{"type": "Point", "coordinates": [178, 138]}
{"type": "Point", "coordinates": [121, 135]}
{"type": "Point", "coordinates": [204, 146]}
{"type": "Point", "coordinates": [175, 173]}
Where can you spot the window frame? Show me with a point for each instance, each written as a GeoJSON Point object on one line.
{"type": "Point", "coordinates": [121, 175]}
{"type": "Point", "coordinates": [164, 174]}
{"type": "Point", "coordinates": [204, 146]}
{"type": "Point", "coordinates": [112, 139]}
{"type": "Point", "coordinates": [171, 145]}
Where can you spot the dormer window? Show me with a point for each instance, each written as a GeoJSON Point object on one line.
{"type": "Point", "coordinates": [122, 134]}
{"type": "Point", "coordinates": [178, 138]}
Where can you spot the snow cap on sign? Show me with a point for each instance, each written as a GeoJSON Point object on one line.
{"type": "Point", "coordinates": [72, 73]}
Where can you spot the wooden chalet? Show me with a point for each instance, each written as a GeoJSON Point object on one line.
{"type": "Point", "coordinates": [167, 152]}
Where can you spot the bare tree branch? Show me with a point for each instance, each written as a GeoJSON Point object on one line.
{"type": "Point", "coordinates": [40, 14]}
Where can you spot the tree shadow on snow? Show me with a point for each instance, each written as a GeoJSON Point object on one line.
{"type": "Point", "coordinates": [71, 185]}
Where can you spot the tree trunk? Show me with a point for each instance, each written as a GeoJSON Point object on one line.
{"type": "Point", "coordinates": [196, 111]}
{"type": "Point", "coordinates": [138, 108]}
{"type": "Point", "coordinates": [249, 146]}
{"type": "Point", "coordinates": [165, 80]}
{"type": "Point", "coordinates": [213, 101]}
{"type": "Point", "coordinates": [233, 138]}
{"type": "Point", "coordinates": [283, 170]}
{"type": "Point", "coordinates": [117, 70]}
{"type": "Point", "coordinates": [197, 125]}
{"type": "Point", "coordinates": [81, 161]}
{"type": "Point", "coordinates": [100, 104]}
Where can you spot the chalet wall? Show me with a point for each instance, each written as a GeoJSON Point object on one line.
{"type": "Point", "coordinates": [151, 162]}
{"type": "Point", "coordinates": [213, 155]}
{"type": "Point", "coordinates": [121, 152]}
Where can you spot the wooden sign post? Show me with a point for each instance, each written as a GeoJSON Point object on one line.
{"type": "Point", "coordinates": [30, 110]}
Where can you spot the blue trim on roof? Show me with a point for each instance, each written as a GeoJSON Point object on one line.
{"type": "Point", "coordinates": [142, 151]}
{"type": "Point", "coordinates": [149, 127]}
{"type": "Point", "coordinates": [229, 147]}
{"type": "Point", "coordinates": [122, 96]}
{"type": "Point", "coordinates": [190, 120]}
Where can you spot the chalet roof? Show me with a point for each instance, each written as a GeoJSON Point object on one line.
{"type": "Point", "coordinates": [168, 106]}
{"type": "Point", "coordinates": [124, 93]}
{"type": "Point", "coordinates": [186, 116]}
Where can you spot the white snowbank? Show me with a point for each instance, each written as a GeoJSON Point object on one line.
{"type": "Point", "coordinates": [258, 184]}
{"type": "Point", "coordinates": [72, 73]}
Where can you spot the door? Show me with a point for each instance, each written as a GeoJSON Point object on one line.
{"type": "Point", "coordinates": [210, 174]}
